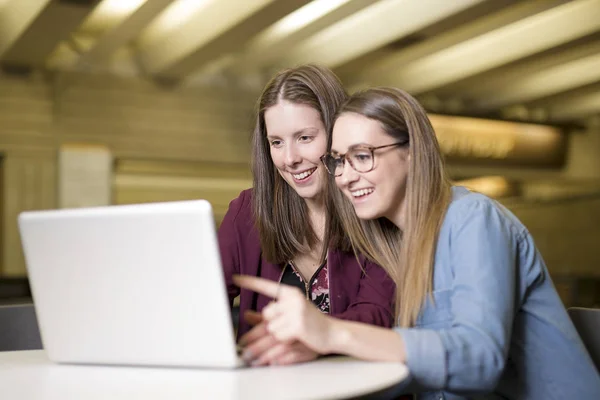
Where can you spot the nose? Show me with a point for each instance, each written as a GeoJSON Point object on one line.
{"type": "Point", "coordinates": [349, 175]}
{"type": "Point", "coordinates": [292, 156]}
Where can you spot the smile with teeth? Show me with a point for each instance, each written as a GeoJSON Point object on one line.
{"type": "Point", "coordinates": [304, 174]}
{"type": "Point", "coordinates": [361, 192]}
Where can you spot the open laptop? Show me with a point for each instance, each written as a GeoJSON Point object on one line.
{"type": "Point", "coordinates": [132, 284]}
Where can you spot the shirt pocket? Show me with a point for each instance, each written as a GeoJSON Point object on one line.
{"type": "Point", "coordinates": [437, 314]}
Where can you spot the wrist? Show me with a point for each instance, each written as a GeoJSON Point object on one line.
{"type": "Point", "coordinates": [338, 337]}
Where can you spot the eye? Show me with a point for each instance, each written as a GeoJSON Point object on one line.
{"type": "Point", "coordinates": [305, 138]}
{"type": "Point", "coordinates": [275, 143]}
{"type": "Point", "coordinates": [361, 156]}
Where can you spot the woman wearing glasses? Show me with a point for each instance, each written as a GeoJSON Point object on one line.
{"type": "Point", "coordinates": [477, 312]}
{"type": "Point", "coordinates": [277, 230]}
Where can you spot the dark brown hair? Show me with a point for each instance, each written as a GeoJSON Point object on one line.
{"type": "Point", "coordinates": [407, 255]}
{"type": "Point", "coordinates": [281, 215]}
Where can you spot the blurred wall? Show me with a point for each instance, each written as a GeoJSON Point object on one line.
{"type": "Point", "coordinates": [567, 234]}
{"type": "Point", "coordinates": [171, 144]}
{"type": "Point", "coordinates": [151, 130]}
{"type": "Point", "coordinates": [583, 160]}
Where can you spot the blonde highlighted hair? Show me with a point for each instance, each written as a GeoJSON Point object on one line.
{"type": "Point", "coordinates": [407, 255]}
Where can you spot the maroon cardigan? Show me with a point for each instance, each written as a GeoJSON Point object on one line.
{"type": "Point", "coordinates": [353, 294]}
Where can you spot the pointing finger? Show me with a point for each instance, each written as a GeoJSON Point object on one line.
{"type": "Point", "coordinates": [258, 285]}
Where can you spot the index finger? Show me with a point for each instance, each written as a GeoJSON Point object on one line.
{"type": "Point", "coordinates": [258, 285]}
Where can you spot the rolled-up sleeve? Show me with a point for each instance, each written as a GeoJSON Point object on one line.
{"type": "Point", "coordinates": [426, 356]}
{"type": "Point", "coordinates": [470, 353]}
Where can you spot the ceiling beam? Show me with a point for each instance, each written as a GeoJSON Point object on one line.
{"type": "Point", "coordinates": [451, 38]}
{"type": "Point", "coordinates": [219, 28]}
{"type": "Point", "coordinates": [122, 34]}
{"type": "Point", "coordinates": [30, 31]}
{"type": "Point", "coordinates": [545, 82]}
{"type": "Point", "coordinates": [580, 107]}
{"type": "Point", "coordinates": [488, 83]}
{"type": "Point", "coordinates": [499, 47]}
{"type": "Point", "coordinates": [572, 105]}
{"type": "Point", "coordinates": [380, 24]}
{"type": "Point", "coordinates": [14, 20]}
{"type": "Point", "coordinates": [296, 27]}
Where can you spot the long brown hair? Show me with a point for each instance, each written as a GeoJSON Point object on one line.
{"type": "Point", "coordinates": [407, 255]}
{"type": "Point", "coordinates": [281, 215]}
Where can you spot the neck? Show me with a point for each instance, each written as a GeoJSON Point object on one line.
{"type": "Point", "coordinates": [316, 213]}
{"type": "Point", "coordinates": [398, 216]}
{"type": "Point", "coordinates": [316, 205]}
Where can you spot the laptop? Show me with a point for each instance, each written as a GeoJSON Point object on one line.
{"type": "Point", "coordinates": [130, 285]}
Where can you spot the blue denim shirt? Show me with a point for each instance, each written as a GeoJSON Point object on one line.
{"type": "Point", "coordinates": [497, 327]}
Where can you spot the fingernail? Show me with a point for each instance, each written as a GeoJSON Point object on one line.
{"type": "Point", "coordinates": [247, 355]}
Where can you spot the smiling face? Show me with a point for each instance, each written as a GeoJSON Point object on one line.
{"type": "Point", "coordinates": [297, 139]}
{"type": "Point", "coordinates": [381, 191]}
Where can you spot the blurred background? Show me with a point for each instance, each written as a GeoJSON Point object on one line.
{"type": "Point", "coordinates": [130, 101]}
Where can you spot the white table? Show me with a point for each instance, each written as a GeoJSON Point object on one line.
{"type": "Point", "coordinates": [26, 375]}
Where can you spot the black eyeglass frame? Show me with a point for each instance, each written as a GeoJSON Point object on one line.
{"type": "Point", "coordinates": [343, 157]}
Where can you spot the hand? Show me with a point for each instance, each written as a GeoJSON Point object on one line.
{"type": "Point", "coordinates": [292, 317]}
{"type": "Point", "coordinates": [261, 348]}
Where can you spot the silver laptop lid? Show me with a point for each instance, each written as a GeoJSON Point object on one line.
{"type": "Point", "coordinates": [132, 284]}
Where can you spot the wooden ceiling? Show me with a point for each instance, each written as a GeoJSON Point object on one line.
{"type": "Point", "coordinates": [535, 60]}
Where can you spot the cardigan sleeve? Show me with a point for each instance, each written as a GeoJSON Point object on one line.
{"type": "Point", "coordinates": [373, 303]}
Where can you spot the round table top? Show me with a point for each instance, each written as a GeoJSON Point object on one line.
{"type": "Point", "coordinates": [30, 375]}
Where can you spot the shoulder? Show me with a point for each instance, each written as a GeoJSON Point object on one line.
{"type": "Point", "coordinates": [345, 256]}
{"type": "Point", "coordinates": [465, 203]}
{"type": "Point", "coordinates": [245, 197]}
{"type": "Point", "coordinates": [239, 215]}
{"type": "Point", "coordinates": [468, 207]}
{"type": "Point", "coordinates": [241, 206]}
{"type": "Point", "coordinates": [348, 261]}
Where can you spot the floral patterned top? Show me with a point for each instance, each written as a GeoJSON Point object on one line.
{"type": "Point", "coordinates": [317, 289]}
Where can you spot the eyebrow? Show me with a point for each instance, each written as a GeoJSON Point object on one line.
{"type": "Point", "coordinates": [296, 133]}
{"type": "Point", "coordinates": [354, 146]}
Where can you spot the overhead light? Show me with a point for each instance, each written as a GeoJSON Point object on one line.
{"type": "Point", "coordinates": [295, 21]}
{"type": "Point", "coordinates": [305, 15]}
{"type": "Point", "coordinates": [120, 7]}
{"type": "Point", "coordinates": [108, 13]}
{"type": "Point", "coordinates": [173, 16]}
{"type": "Point", "coordinates": [491, 142]}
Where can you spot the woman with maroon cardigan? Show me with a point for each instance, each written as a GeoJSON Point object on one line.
{"type": "Point", "coordinates": [277, 229]}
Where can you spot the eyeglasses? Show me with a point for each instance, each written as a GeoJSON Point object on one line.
{"type": "Point", "coordinates": [361, 159]}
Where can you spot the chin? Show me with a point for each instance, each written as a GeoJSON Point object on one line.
{"type": "Point", "coordinates": [305, 194]}
{"type": "Point", "coordinates": [367, 213]}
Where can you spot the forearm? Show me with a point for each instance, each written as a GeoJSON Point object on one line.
{"type": "Point", "coordinates": [372, 314]}
{"type": "Point", "coordinates": [365, 341]}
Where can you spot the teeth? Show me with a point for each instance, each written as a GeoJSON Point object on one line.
{"type": "Point", "coordinates": [361, 192]}
{"type": "Point", "coordinates": [304, 174]}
